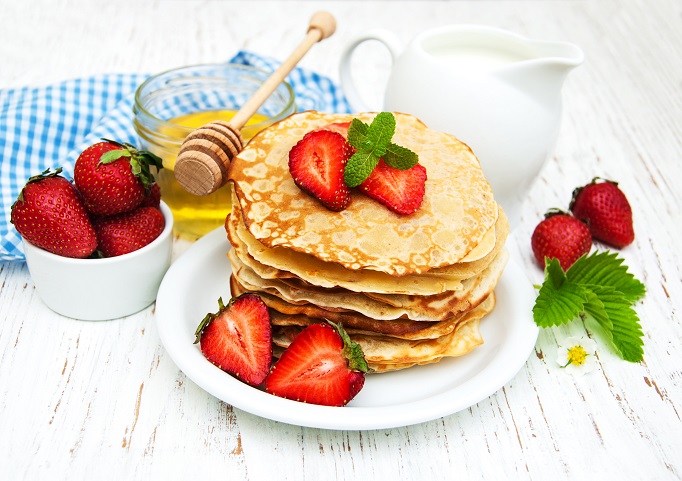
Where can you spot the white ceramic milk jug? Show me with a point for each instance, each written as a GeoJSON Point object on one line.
{"type": "Point", "coordinates": [498, 92]}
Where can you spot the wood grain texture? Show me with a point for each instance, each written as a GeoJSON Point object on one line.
{"type": "Point", "coordinates": [103, 400]}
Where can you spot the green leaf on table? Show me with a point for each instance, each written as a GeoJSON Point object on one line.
{"type": "Point", "coordinates": [599, 288]}
{"type": "Point", "coordinates": [558, 301]}
{"type": "Point", "coordinates": [607, 269]}
{"type": "Point", "coordinates": [625, 330]}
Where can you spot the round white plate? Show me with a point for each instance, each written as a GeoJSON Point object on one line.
{"type": "Point", "coordinates": [200, 276]}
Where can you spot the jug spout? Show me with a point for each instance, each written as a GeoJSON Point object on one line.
{"type": "Point", "coordinates": [542, 72]}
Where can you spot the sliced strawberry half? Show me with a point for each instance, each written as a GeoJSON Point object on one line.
{"type": "Point", "coordinates": [317, 163]}
{"type": "Point", "coordinates": [320, 366]}
{"type": "Point", "coordinates": [238, 338]}
{"type": "Point", "coordinates": [402, 191]}
{"type": "Point", "coordinates": [340, 127]}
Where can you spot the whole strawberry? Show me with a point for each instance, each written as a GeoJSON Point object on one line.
{"type": "Point", "coordinates": [560, 236]}
{"type": "Point", "coordinates": [49, 214]}
{"type": "Point", "coordinates": [113, 177]}
{"type": "Point", "coordinates": [320, 366]}
{"type": "Point", "coordinates": [153, 197]}
{"type": "Point", "coordinates": [127, 232]}
{"type": "Point", "coordinates": [606, 210]}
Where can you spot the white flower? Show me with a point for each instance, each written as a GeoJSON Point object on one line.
{"type": "Point", "coordinates": [577, 355]}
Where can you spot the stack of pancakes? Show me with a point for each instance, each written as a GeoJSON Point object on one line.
{"type": "Point", "coordinates": [409, 289]}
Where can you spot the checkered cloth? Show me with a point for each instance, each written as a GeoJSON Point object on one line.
{"type": "Point", "coordinates": [47, 127]}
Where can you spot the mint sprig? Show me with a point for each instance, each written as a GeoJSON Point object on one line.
{"type": "Point", "coordinates": [373, 142]}
{"type": "Point", "coordinates": [599, 289]}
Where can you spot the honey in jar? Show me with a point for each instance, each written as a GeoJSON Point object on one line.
{"type": "Point", "coordinates": [172, 104]}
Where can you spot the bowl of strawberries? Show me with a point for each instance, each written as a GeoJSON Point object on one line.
{"type": "Point", "coordinates": [97, 246]}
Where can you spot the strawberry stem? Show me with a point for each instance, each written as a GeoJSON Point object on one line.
{"type": "Point", "coordinates": [140, 161]}
{"type": "Point", "coordinates": [351, 350]}
{"type": "Point", "coordinates": [207, 320]}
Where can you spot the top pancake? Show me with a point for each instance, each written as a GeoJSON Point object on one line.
{"type": "Point", "coordinates": [457, 215]}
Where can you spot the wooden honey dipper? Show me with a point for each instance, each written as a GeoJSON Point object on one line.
{"type": "Point", "coordinates": [206, 153]}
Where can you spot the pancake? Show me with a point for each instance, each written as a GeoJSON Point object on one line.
{"type": "Point", "coordinates": [378, 306]}
{"type": "Point", "coordinates": [285, 314]}
{"type": "Point", "coordinates": [455, 219]}
{"type": "Point", "coordinates": [411, 290]}
{"type": "Point", "coordinates": [278, 262]}
{"type": "Point", "coordinates": [394, 353]}
{"type": "Point", "coordinates": [274, 262]}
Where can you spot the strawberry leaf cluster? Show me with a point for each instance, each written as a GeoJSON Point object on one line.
{"type": "Point", "coordinates": [373, 142]}
{"type": "Point", "coordinates": [599, 289]}
{"type": "Point", "coordinates": [140, 161]}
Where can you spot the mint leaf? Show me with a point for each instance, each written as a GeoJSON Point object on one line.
{"type": "Point", "coordinates": [358, 168]}
{"type": "Point", "coordinates": [380, 132]}
{"type": "Point", "coordinates": [558, 301]}
{"type": "Point", "coordinates": [373, 142]}
{"type": "Point", "coordinates": [357, 132]}
{"type": "Point", "coordinates": [399, 157]}
{"type": "Point", "coordinates": [606, 269]}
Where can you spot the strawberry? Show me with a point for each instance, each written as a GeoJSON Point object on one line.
{"type": "Point", "coordinates": [561, 236]}
{"type": "Point", "coordinates": [606, 210]}
{"type": "Point", "coordinates": [320, 366]}
{"type": "Point", "coordinates": [153, 197]}
{"type": "Point", "coordinates": [238, 338]}
{"type": "Point", "coordinates": [340, 127]}
{"type": "Point", "coordinates": [127, 232]}
{"type": "Point", "coordinates": [49, 214]}
{"type": "Point", "coordinates": [114, 177]}
{"type": "Point", "coordinates": [402, 191]}
{"type": "Point", "coordinates": [317, 163]}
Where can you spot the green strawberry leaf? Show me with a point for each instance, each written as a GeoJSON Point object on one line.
{"type": "Point", "coordinates": [114, 155]}
{"type": "Point", "coordinates": [595, 309]}
{"type": "Point", "coordinates": [140, 161]}
{"type": "Point", "coordinates": [607, 269]}
{"type": "Point", "coordinates": [599, 289]}
{"type": "Point", "coordinates": [208, 319]}
{"type": "Point", "coordinates": [352, 351]}
{"type": "Point", "coordinates": [626, 332]}
{"type": "Point", "coordinates": [558, 301]}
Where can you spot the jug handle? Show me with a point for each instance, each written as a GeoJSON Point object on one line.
{"type": "Point", "coordinates": [395, 48]}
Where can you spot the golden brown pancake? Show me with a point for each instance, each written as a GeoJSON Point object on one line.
{"type": "Point", "coordinates": [410, 290]}
{"type": "Point", "coordinates": [455, 218]}
{"type": "Point", "coordinates": [278, 262]}
{"type": "Point", "coordinates": [378, 306]}
{"type": "Point", "coordinates": [393, 353]}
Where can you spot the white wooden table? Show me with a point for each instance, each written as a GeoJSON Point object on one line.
{"type": "Point", "coordinates": [83, 400]}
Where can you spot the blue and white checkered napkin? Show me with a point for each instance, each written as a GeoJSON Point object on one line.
{"type": "Point", "coordinates": [47, 127]}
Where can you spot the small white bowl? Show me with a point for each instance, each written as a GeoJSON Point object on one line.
{"type": "Point", "coordinates": [102, 289]}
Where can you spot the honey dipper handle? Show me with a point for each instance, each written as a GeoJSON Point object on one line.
{"type": "Point", "coordinates": [322, 25]}
{"type": "Point", "coordinates": [204, 158]}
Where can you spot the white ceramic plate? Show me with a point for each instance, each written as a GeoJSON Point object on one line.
{"type": "Point", "coordinates": [200, 275]}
